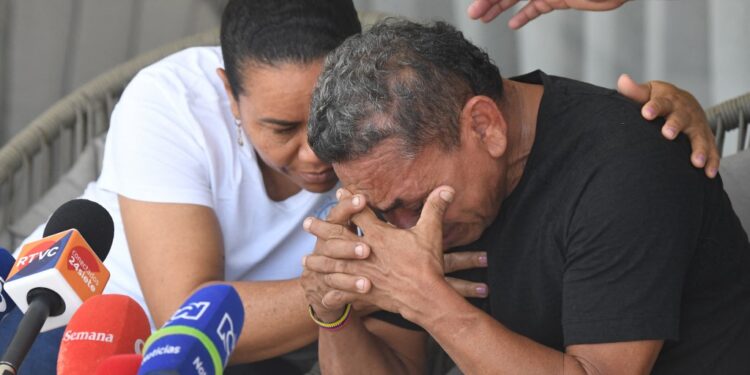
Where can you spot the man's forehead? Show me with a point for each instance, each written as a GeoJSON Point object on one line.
{"type": "Point", "coordinates": [386, 191]}
{"type": "Point", "coordinates": [374, 182]}
{"type": "Point", "coordinates": [384, 175]}
{"type": "Point", "coordinates": [380, 185]}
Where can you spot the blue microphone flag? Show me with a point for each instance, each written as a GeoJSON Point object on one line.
{"type": "Point", "coordinates": [200, 336]}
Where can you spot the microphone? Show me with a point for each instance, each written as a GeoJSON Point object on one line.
{"type": "Point", "coordinates": [121, 364]}
{"type": "Point", "coordinates": [104, 326]}
{"type": "Point", "coordinates": [53, 276]}
{"type": "Point", "coordinates": [6, 263]}
{"type": "Point", "coordinates": [199, 337]}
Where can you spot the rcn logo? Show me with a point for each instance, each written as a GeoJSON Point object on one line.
{"type": "Point", "coordinates": [192, 311]}
{"type": "Point", "coordinates": [227, 335]}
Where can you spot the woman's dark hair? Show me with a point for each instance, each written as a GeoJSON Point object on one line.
{"type": "Point", "coordinates": [271, 32]}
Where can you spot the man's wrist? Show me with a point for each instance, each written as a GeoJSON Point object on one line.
{"type": "Point", "coordinates": [429, 307]}
{"type": "Point", "coordinates": [322, 314]}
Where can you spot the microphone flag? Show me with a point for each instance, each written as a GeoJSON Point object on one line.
{"type": "Point", "coordinates": [199, 337]}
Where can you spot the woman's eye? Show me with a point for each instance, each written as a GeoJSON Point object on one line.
{"type": "Point", "coordinates": [286, 130]}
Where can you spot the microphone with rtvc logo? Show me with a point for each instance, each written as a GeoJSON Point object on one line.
{"type": "Point", "coordinates": [199, 337]}
{"type": "Point", "coordinates": [53, 276]}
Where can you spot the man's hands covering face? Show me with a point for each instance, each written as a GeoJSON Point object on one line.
{"type": "Point", "coordinates": [387, 267]}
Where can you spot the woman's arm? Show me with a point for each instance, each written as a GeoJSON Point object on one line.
{"type": "Point", "coordinates": [177, 248]}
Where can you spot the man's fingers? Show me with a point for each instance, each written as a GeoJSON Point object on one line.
{"type": "Point", "coordinates": [705, 154]}
{"type": "Point", "coordinates": [631, 89]}
{"type": "Point", "coordinates": [342, 212]}
{"type": "Point", "coordinates": [487, 10]}
{"type": "Point", "coordinates": [366, 219]}
{"type": "Point", "coordinates": [336, 299]}
{"type": "Point", "coordinates": [478, 8]}
{"type": "Point", "coordinates": [327, 231]}
{"type": "Point", "coordinates": [431, 218]}
{"type": "Point", "coordinates": [712, 166]}
{"type": "Point", "coordinates": [676, 123]}
{"type": "Point", "coordinates": [529, 12]}
{"type": "Point", "coordinates": [342, 193]}
{"type": "Point", "coordinates": [347, 283]}
{"type": "Point", "coordinates": [467, 288]}
{"type": "Point", "coordinates": [657, 107]}
{"type": "Point", "coordinates": [323, 264]}
{"type": "Point", "coordinates": [343, 249]}
{"type": "Point", "coordinates": [464, 260]}
{"type": "Point", "coordinates": [698, 156]}
{"type": "Point", "coordinates": [497, 8]}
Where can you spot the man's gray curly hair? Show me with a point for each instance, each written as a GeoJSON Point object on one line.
{"type": "Point", "coordinates": [399, 80]}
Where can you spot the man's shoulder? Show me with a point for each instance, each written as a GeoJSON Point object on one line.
{"type": "Point", "coordinates": [587, 104]}
{"type": "Point", "coordinates": [599, 122]}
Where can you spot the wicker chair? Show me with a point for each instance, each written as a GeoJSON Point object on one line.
{"type": "Point", "coordinates": [735, 168]}
{"type": "Point", "coordinates": [729, 115]}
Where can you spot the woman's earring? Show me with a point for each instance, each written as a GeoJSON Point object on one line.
{"type": "Point", "coordinates": [239, 131]}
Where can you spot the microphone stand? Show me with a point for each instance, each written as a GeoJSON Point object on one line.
{"type": "Point", "coordinates": [43, 303]}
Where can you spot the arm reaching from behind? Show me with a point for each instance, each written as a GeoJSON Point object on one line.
{"type": "Point", "coordinates": [487, 10]}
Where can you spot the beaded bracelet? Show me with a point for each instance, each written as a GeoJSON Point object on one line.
{"type": "Point", "coordinates": [335, 325]}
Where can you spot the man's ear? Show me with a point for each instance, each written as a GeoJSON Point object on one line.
{"type": "Point", "coordinates": [481, 119]}
{"type": "Point", "coordinates": [228, 88]}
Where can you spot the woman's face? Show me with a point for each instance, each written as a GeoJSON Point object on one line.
{"type": "Point", "coordinates": [273, 109]}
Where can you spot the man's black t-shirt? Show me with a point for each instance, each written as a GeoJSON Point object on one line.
{"type": "Point", "coordinates": [611, 235]}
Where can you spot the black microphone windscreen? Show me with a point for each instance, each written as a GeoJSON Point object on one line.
{"type": "Point", "coordinates": [90, 219]}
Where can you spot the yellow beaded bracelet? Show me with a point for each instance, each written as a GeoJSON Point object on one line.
{"type": "Point", "coordinates": [335, 324]}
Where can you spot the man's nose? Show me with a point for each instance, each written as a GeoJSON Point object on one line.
{"type": "Point", "coordinates": [306, 153]}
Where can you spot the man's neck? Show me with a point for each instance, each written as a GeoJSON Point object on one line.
{"type": "Point", "coordinates": [520, 106]}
